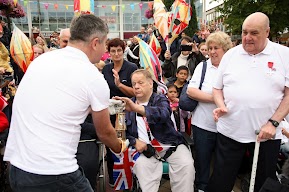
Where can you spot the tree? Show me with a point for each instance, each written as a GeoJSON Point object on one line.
{"type": "Point", "coordinates": [193, 25]}
{"type": "Point", "coordinates": [235, 11]}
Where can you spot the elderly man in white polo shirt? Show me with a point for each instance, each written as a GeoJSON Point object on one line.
{"type": "Point", "coordinates": [251, 93]}
{"type": "Point", "coordinates": [58, 91]}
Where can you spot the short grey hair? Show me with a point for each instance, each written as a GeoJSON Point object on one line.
{"type": "Point", "coordinates": [220, 38]}
{"type": "Point", "coordinates": [63, 31]}
{"type": "Point", "coordinates": [86, 27]}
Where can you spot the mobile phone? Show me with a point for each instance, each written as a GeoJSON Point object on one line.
{"type": "Point", "coordinates": [186, 48]}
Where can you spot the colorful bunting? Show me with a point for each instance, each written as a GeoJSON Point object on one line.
{"type": "Point", "coordinates": [140, 5]}
{"type": "Point", "coordinates": [150, 5]}
{"type": "Point", "coordinates": [15, 2]}
{"type": "Point", "coordinates": [55, 6]}
{"type": "Point", "coordinates": [113, 8]}
{"type": "Point", "coordinates": [132, 6]}
{"type": "Point", "coordinates": [46, 5]}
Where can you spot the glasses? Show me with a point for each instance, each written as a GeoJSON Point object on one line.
{"type": "Point", "coordinates": [113, 52]}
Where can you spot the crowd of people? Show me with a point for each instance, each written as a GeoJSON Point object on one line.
{"type": "Point", "coordinates": [57, 119]}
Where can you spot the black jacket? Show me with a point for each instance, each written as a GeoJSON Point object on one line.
{"type": "Point", "coordinates": [170, 66]}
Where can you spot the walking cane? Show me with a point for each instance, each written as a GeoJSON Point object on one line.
{"type": "Point", "coordinates": [255, 162]}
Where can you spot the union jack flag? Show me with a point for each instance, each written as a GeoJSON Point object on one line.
{"type": "Point", "coordinates": [122, 169]}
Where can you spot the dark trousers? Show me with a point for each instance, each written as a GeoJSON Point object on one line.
{"type": "Point", "coordinates": [204, 144]}
{"type": "Point", "coordinates": [109, 163]}
{"type": "Point", "coordinates": [22, 181]}
{"type": "Point", "coordinates": [228, 158]}
{"type": "Point", "coordinates": [88, 158]}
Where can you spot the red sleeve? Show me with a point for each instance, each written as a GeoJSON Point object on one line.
{"type": "Point", "coordinates": [4, 124]}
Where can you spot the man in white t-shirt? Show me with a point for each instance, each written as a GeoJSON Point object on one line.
{"type": "Point", "coordinates": [55, 96]}
{"type": "Point", "coordinates": [251, 93]}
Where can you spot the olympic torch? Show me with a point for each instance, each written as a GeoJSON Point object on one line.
{"type": "Point", "coordinates": [120, 125]}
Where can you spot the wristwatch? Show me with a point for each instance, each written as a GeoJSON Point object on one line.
{"type": "Point", "coordinates": [274, 123]}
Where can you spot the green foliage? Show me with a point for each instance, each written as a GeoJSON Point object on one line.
{"type": "Point", "coordinates": [193, 25]}
{"type": "Point", "coordinates": [235, 11]}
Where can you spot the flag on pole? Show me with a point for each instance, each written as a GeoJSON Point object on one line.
{"type": "Point", "coordinates": [83, 6]}
{"type": "Point", "coordinates": [21, 49]}
{"type": "Point", "coordinates": [150, 61]}
{"type": "Point", "coordinates": [155, 45]}
{"type": "Point", "coordinates": [179, 18]}
{"type": "Point", "coordinates": [161, 19]}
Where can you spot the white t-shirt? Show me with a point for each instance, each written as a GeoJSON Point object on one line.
{"type": "Point", "coordinates": [252, 92]}
{"type": "Point", "coordinates": [203, 114]}
{"type": "Point", "coordinates": [52, 100]}
{"type": "Point", "coordinates": [142, 130]}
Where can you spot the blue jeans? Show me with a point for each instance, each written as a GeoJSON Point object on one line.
{"type": "Point", "coordinates": [204, 143]}
{"type": "Point", "coordinates": [22, 181]}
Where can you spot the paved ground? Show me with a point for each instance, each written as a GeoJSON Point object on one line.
{"type": "Point", "coordinates": [165, 186]}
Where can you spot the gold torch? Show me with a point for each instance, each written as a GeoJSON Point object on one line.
{"type": "Point", "coordinates": [120, 125]}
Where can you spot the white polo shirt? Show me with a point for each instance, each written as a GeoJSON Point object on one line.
{"type": "Point", "coordinates": [203, 114]}
{"type": "Point", "coordinates": [252, 91]}
{"type": "Point", "coordinates": [52, 100]}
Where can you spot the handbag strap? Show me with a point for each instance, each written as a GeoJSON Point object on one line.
{"type": "Point", "coordinates": [203, 73]}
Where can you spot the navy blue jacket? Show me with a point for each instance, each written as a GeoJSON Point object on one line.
{"type": "Point", "coordinates": [158, 114]}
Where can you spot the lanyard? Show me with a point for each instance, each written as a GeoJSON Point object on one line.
{"type": "Point", "coordinates": [148, 128]}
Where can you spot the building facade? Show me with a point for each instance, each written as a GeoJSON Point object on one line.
{"type": "Point", "coordinates": [206, 11]}
{"type": "Point", "coordinates": [124, 17]}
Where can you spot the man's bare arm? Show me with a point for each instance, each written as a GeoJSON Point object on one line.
{"type": "Point", "coordinates": [283, 108]}
{"type": "Point", "coordinates": [105, 130]}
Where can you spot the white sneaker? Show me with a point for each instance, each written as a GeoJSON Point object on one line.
{"type": "Point", "coordinates": [200, 190]}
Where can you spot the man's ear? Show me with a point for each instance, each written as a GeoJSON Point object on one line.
{"type": "Point", "coordinates": [95, 42]}
{"type": "Point", "coordinates": [151, 83]}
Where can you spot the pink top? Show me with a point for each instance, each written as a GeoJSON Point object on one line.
{"type": "Point", "coordinates": [174, 105]}
{"type": "Point", "coordinates": [105, 56]}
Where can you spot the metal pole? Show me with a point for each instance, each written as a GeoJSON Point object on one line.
{"type": "Point", "coordinates": [29, 19]}
{"type": "Point", "coordinates": [120, 20]}
{"type": "Point", "coordinates": [204, 12]}
{"type": "Point", "coordinates": [255, 162]}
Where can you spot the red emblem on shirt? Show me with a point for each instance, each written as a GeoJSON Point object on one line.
{"type": "Point", "coordinates": [270, 65]}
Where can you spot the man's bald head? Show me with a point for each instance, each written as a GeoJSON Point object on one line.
{"type": "Point", "coordinates": [258, 18]}
{"type": "Point", "coordinates": [255, 31]}
{"type": "Point", "coordinates": [64, 37]}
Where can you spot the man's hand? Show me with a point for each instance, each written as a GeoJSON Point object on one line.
{"type": "Point", "coordinates": [168, 55]}
{"type": "Point", "coordinates": [116, 77]}
{"type": "Point", "coordinates": [124, 146]}
{"type": "Point", "coordinates": [115, 106]}
{"type": "Point", "coordinates": [140, 145]}
{"type": "Point", "coordinates": [219, 112]}
{"type": "Point", "coordinates": [129, 104]}
{"type": "Point", "coordinates": [267, 132]}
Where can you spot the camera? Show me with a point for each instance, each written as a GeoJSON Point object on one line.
{"type": "Point", "coordinates": [186, 48]}
{"type": "Point", "coordinates": [149, 152]}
